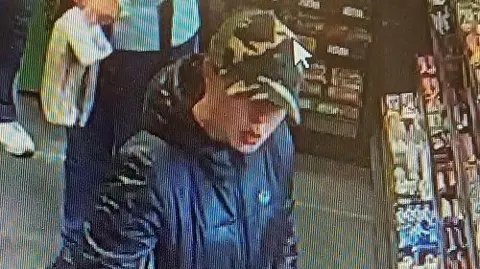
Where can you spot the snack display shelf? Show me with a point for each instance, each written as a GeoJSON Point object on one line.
{"type": "Point", "coordinates": [415, 240]}
{"type": "Point", "coordinates": [473, 98]}
{"type": "Point", "coordinates": [338, 36]}
{"type": "Point", "coordinates": [467, 17]}
{"type": "Point", "coordinates": [454, 223]}
{"type": "Point", "coordinates": [467, 22]}
{"type": "Point", "coordinates": [459, 153]}
{"type": "Point", "coordinates": [456, 78]}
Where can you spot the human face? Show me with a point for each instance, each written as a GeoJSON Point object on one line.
{"type": "Point", "coordinates": [250, 123]}
{"type": "Point", "coordinates": [237, 120]}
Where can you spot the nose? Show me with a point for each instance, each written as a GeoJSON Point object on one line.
{"type": "Point", "coordinates": [258, 128]}
{"type": "Point", "coordinates": [257, 118]}
{"type": "Point", "coordinates": [261, 119]}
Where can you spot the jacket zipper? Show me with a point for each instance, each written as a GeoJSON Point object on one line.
{"type": "Point", "coordinates": [240, 224]}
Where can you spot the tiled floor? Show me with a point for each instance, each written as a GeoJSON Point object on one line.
{"type": "Point", "coordinates": [335, 213]}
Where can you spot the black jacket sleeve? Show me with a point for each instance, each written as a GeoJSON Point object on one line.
{"type": "Point", "coordinates": [123, 230]}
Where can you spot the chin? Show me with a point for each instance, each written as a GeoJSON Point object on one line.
{"type": "Point", "coordinates": [247, 149]}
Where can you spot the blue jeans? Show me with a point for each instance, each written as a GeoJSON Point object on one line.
{"type": "Point", "coordinates": [115, 117]}
{"type": "Point", "coordinates": [14, 16]}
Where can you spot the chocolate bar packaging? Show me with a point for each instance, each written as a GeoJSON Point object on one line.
{"type": "Point", "coordinates": [312, 87]}
{"type": "Point", "coordinates": [310, 43]}
{"type": "Point", "coordinates": [346, 95]}
{"type": "Point", "coordinates": [347, 78]}
{"type": "Point", "coordinates": [317, 72]}
{"type": "Point", "coordinates": [305, 103]}
{"type": "Point", "coordinates": [467, 15]}
{"type": "Point", "coordinates": [312, 4]}
{"type": "Point", "coordinates": [346, 34]}
{"type": "Point", "coordinates": [344, 111]}
{"type": "Point", "coordinates": [393, 102]}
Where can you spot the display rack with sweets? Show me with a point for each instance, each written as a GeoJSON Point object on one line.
{"type": "Point", "coordinates": [459, 63]}
{"type": "Point", "coordinates": [466, 110]}
{"type": "Point", "coordinates": [409, 176]}
{"type": "Point", "coordinates": [338, 36]}
{"type": "Point", "coordinates": [453, 221]}
{"type": "Point", "coordinates": [468, 19]}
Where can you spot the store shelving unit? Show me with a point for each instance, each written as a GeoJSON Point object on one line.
{"type": "Point", "coordinates": [455, 222]}
{"type": "Point", "coordinates": [467, 12]}
{"type": "Point", "coordinates": [412, 210]}
{"type": "Point", "coordinates": [456, 78]}
{"type": "Point", "coordinates": [332, 100]}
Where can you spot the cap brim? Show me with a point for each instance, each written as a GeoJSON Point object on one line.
{"type": "Point", "coordinates": [281, 96]}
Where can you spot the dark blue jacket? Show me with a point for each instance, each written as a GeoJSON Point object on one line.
{"type": "Point", "coordinates": [179, 200]}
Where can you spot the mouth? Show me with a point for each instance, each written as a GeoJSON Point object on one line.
{"type": "Point", "coordinates": [250, 137]}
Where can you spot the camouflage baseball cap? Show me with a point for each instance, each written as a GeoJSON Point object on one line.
{"type": "Point", "coordinates": [254, 49]}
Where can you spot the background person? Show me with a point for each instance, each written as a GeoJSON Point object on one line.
{"type": "Point", "coordinates": [13, 31]}
{"type": "Point", "coordinates": [44, 15]}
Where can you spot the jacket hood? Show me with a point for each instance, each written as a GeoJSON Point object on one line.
{"type": "Point", "coordinates": [170, 96]}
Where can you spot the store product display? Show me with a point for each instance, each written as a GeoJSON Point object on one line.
{"type": "Point", "coordinates": [446, 208]}
{"type": "Point", "coordinates": [353, 50]}
{"type": "Point", "coordinates": [339, 96]}
{"type": "Point", "coordinates": [426, 65]}
{"type": "Point", "coordinates": [404, 186]}
{"type": "Point", "coordinates": [467, 15]}
{"type": "Point", "coordinates": [317, 72]}
{"type": "Point", "coordinates": [406, 263]}
{"type": "Point", "coordinates": [436, 122]}
{"type": "Point", "coordinates": [452, 211]}
{"type": "Point", "coordinates": [313, 4]}
{"type": "Point", "coordinates": [455, 239]}
{"type": "Point", "coordinates": [415, 228]}
{"type": "Point", "coordinates": [312, 87]}
{"type": "Point", "coordinates": [305, 16]}
{"type": "Point", "coordinates": [346, 95]}
{"type": "Point", "coordinates": [444, 173]}
{"type": "Point", "coordinates": [442, 18]}
{"type": "Point", "coordinates": [466, 145]}
{"type": "Point", "coordinates": [338, 110]}
{"type": "Point", "coordinates": [345, 33]}
{"type": "Point", "coordinates": [338, 35]}
{"type": "Point", "coordinates": [452, 182]}
{"type": "Point", "coordinates": [468, 18]}
{"type": "Point", "coordinates": [312, 27]}
{"type": "Point", "coordinates": [352, 9]}
{"type": "Point", "coordinates": [441, 186]}
{"type": "Point", "coordinates": [347, 78]}
{"type": "Point", "coordinates": [416, 219]}
{"type": "Point", "coordinates": [441, 146]}
{"type": "Point", "coordinates": [471, 170]}
{"type": "Point", "coordinates": [461, 116]}
{"type": "Point", "coordinates": [305, 104]}
{"type": "Point", "coordinates": [409, 109]}
{"type": "Point", "coordinates": [308, 42]}
{"type": "Point", "coordinates": [431, 88]}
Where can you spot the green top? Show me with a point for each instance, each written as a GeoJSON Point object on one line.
{"type": "Point", "coordinates": [40, 26]}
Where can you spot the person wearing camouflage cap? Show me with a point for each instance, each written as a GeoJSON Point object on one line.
{"type": "Point", "coordinates": [208, 181]}
{"type": "Point", "coordinates": [254, 46]}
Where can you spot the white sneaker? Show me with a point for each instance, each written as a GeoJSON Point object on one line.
{"type": "Point", "coordinates": [15, 139]}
